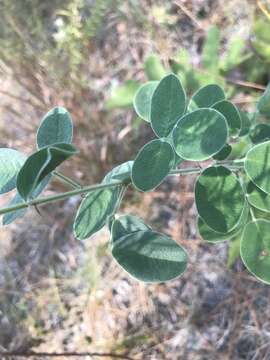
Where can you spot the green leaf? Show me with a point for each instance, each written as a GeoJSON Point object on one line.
{"type": "Point", "coordinates": [200, 134]}
{"type": "Point", "coordinates": [245, 123]}
{"type": "Point", "coordinates": [123, 95]}
{"type": "Point", "coordinates": [11, 162]}
{"type": "Point", "coordinates": [149, 256]}
{"type": "Point", "coordinates": [206, 97]}
{"type": "Point", "coordinates": [154, 69]}
{"type": "Point", "coordinates": [142, 100]}
{"type": "Point", "coordinates": [210, 55]}
{"type": "Point", "coordinates": [94, 211]}
{"type": "Point", "coordinates": [264, 102]}
{"type": "Point", "coordinates": [39, 165]}
{"type": "Point", "coordinates": [260, 133]}
{"type": "Point", "coordinates": [234, 54]}
{"type": "Point", "coordinates": [220, 199]}
{"type": "Point", "coordinates": [168, 105]}
{"type": "Point", "coordinates": [121, 172]}
{"type": "Point", "coordinates": [223, 153]}
{"type": "Point", "coordinates": [14, 215]}
{"type": "Point", "coordinates": [212, 236]}
{"type": "Point", "coordinates": [258, 198]}
{"type": "Point", "coordinates": [126, 225]}
{"type": "Point", "coordinates": [56, 127]}
{"type": "Point", "coordinates": [257, 165]}
{"type": "Point", "coordinates": [231, 113]}
{"type": "Point", "coordinates": [255, 249]}
{"type": "Point", "coordinates": [152, 164]}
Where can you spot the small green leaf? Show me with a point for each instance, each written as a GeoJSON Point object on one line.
{"type": "Point", "coordinates": [56, 127]}
{"type": "Point", "coordinates": [212, 236]}
{"type": "Point", "coordinates": [200, 134]}
{"type": "Point", "coordinates": [255, 249]}
{"type": "Point", "coordinates": [234, 54]}
{"type": "Point", "coordinates": [264, 102]}
{"type": "Point", "coordinates": [152, 164]}
{"type": "Point", "coordinates": [14, 215]}
{"type": "Point", "coordinates": [94, 211]}
{"type": "Point", "coordinates": [220, 199]}
{"type": "Point", "coordinates": [231, 113]}
{"type": "Point", "coordinates": [142, 100]}
{"type": "Point", "coordinates": [121, 172]}
{"type": "Point", "coordinates": [257, 165]}
{"type": "Point", "coordinates": [168, 105]}
{"type": "Point", "coordinates": [154, 69]}
{"type": "Point", "coordinates": [260, 133]}
{"type": "Point", "coordinates": [258, 198]}
{"type": "Point", "coordinates": [150, 256]}
{"type": "Point", "coordinates": [223, 153]}
{"type": "Point", "coordinates": [11, 162]}
{"type": "Point", "coordinates": [39, 165]}
{"type": "Point", "coordinates": [123, 95]}
{"type": "Point", "coordinates": [126, 225]}
{"type": "Point", "coordinates": [210, 56]}
{"type": "Point", "coordinates": [206, 97]}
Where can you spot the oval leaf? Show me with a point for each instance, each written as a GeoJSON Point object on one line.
{"type": "Point", "coordinates": [257, 165]}
{"type": "Point", "coordinates": [149, 256]}
{"type": "Point", "coordinates": [231, 114]}
{"type": "Point", "coordinates": [168, 105]}
{"type": "Point", "coordinates": [206, 96]}
{"type": "Point", "coordinates": [125, 225]}
{"type": "Point", "coordinates": [152, 164]}
{"type": "Point", "coordinates": [11, 162]}
{"type": "Point", "coordinates": [142, 100]}
{"type": "Point", "coordinates": [56, 127]}
{"type": "Point", "coordinates": [39, 165]}
{"type": "Point", "coordinates": [258, 198]}
{"type": "Point", "coordinates": [255, 249]}
{"type": "Point", "coordinates": [219, 198]}
{"type": "Point", "coordinates": [94, 211]}
{"type": "Point", "coordinates": [209, 235]}
{"type": "Point", "coordinates": [200, 134]}
{"type": "Point", "coordinates": [260, 133]}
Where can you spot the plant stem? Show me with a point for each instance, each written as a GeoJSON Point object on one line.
{"type": "Point", "coordinates": [67, 180]}
{"type": "Point", "coordinates": [90, 188]}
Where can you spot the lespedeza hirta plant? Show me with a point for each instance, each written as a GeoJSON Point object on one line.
{"type": "Point", "coordinates": [232, 190]}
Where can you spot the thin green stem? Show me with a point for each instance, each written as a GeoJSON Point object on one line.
{"type": "Point", "coordinates": [74, 184]}
{"type": "Point", "coordinates": [88, 189]}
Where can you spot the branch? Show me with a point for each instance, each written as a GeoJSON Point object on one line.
{"type": "Point", "coordinates": [87, 189]}
{"type": "Point", "coordinates": [62, 354]}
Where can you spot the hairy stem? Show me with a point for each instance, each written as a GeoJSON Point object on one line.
{"type": "Point", "coordinates": [90, 188]}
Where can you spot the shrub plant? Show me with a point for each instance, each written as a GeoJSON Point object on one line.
{"type": "Point", "coordinates": [232, 192]}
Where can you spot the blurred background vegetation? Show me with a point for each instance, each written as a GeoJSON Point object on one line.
{"type": "Point", "coordinates": [91, 56]}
